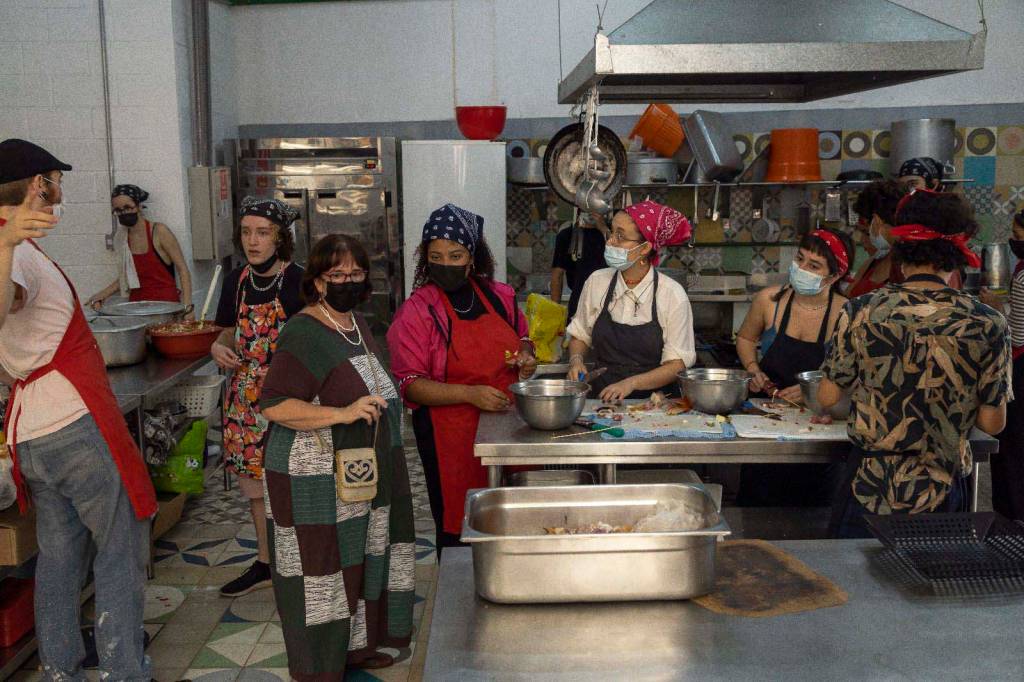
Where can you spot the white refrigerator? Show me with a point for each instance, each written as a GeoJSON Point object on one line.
{"type": "Point", "coordinates": [467, 173]}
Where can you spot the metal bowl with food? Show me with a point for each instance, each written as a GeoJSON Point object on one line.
{"type": "Point", "coordinates": [809, 384]}
{"type": "Point", "coordinates": [184, 340]}
{"type": "Point", "coordinates": [713, 390]}
{"type": "Point", "coordinates": [550, 404]}
{"type": "Point", "coordinates": [122, 339]}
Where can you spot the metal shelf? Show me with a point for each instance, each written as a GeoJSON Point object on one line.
{"type": "Point", "coordinates": [691, 185]}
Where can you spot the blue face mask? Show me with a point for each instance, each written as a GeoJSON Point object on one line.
{"type": "Point", "coordinates": [803, 282]}
{"type": "Point", "coordinates": [881, 245]}
{"type": "Point", "coordinates": [618, 257]}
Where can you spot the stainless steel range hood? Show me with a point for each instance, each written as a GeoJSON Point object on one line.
{"type": "Point", "coordinates": [768, 51]}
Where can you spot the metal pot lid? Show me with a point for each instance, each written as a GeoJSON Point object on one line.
{"type": "Point", "coordinates": [142, 308]}
{"type": "Point", "coordinates": [563, 162]}
{"type": "Point", "coordinates": [116, 323]}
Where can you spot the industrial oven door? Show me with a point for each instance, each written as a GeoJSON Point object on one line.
{"type": "Point", "coordinates": [361, 213]}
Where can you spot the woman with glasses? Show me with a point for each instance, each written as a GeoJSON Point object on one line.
{"type": "Point", "coordinates": [150, 256]}
{"type": "Point", "coordinates": [343, 569]}
{"type": "Point", "coordinates": [255, 301]}
{"type": "Point", "coordinates": [635, 322]}
{"type": "Point", "coordinates": [456, 344]}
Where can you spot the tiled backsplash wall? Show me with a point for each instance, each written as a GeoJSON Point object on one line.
{"type": "Point", "coordinates": [992, 156]}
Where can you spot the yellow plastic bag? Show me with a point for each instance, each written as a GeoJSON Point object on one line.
{"type": "Point", "coordinates": [546, 320]}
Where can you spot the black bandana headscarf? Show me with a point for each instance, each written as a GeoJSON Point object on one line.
{"type": "Point", "coordinates": [924, 167]}
{"type": "Point", "coordinates": [274, 210]}
{"type": "Point", "coordinates": [133, 192]}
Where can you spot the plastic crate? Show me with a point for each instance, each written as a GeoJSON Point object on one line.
{"type": "Point", "coordinates": [198, 393]}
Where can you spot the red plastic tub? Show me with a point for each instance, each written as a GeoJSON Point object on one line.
{"type": "Point", "coordinates": [17, 617]}
{"type": "Point", "coordinates": [480, 123]}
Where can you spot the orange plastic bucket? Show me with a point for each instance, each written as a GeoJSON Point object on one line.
{"type": "Point", "coordinates": [660, 130]}
{"type": "Point", "coordinates": [794, 156]}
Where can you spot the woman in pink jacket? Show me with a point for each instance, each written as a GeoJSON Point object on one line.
{"type": "Point", "coordinates": [456, 346]}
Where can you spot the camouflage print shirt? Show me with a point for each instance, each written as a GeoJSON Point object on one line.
{"type": "Point", "coordinates": [920, 363]}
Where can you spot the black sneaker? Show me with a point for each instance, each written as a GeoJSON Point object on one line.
{"type": "Point", "coordinates": [256, 577]}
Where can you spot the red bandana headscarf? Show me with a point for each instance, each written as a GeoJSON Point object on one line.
{"type": "Point", "coordinates": [835, 245]}
{"type": "Point", "coordinates": [915, 232]}
{"type": "Point", "coordinates": [659, 225]}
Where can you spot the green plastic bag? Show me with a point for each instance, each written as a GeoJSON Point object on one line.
{"type": "Point", "coordinates": [183, 470]}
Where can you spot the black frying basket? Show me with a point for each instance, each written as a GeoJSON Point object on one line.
{"type": "Point", "coordinates": [972, 554]}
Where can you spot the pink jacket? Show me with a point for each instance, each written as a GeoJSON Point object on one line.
{"type": "Point", "coordinates": [418, 336]}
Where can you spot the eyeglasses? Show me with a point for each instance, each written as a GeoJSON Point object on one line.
{"type": "Point", "coordinates": [342, 277]}
{"type": "Point", "coordinates": [125, 210]}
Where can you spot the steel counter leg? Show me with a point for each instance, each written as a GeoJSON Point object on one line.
{"type": "Point", "coordinates": [606, 474]}
{"type": "Point", "coordinates": [494, 476]}
{"type": "Point", "coordinates": [975, 484]}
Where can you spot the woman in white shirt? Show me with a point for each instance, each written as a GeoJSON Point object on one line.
{"type": "Point", "coordinates": [637, 323]}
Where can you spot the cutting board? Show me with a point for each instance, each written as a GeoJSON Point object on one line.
{"type": "Point", "coordinates": [657, 423]}
{"type": "Point", "coordinates": [795, 425]}
{"type": "Point", "coordinates": [756, 579]}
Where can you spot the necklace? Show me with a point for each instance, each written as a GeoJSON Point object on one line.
{"type": "Point", "coordinates": [811, 308]}
{"type": "Point", "coordinates": [472, 302]}
{"type": "Point", "coordinates": [341, 330]}
{"type": "Point", "coordinates": [273, 282]}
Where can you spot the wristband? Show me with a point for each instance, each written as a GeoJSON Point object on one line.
{"type": "Point", "coordinates": [574, 358]}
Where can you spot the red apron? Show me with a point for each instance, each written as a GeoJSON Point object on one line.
{"type": "Point", "coordinates": [79, 360]}
{"type": "Point", "coordinates": [476, 356]}
{"type": "Point", "coordinates": [156, 281]}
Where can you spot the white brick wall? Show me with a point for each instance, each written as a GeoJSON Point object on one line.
{"type": "Point", "coordinates": [51, 92]}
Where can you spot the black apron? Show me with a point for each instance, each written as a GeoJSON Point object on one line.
{"type": "Point", "coordinates": [626, 350]}
{"type": "Point", "coordinates": [790, 485]}
{"type": "Point", "coordinates": [847, 513]}
{"type": "Point", "coordinates": [787, 356]}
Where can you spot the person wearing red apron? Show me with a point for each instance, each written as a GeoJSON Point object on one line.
{"type": "Point", "coordinates": [148, 275]}
{"type": "Point", "coordinates": [1008, 464]}
{"type": "Point", "coordinates": [74, 459]}
{"type": "Point", "coordinates": [255, 302]}
{"type": "Point", "coordinates": [456, 346]}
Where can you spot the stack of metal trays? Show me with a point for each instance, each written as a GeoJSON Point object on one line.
{"type": "Point", "coordinates": [960, 555]}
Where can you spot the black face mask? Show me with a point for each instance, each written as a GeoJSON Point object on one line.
{"type": "Point", "coordinates": [128, 219]}
{"type": "Point", "coordinates": [265, 265]}
{"type": "Point", "coordinates": [1017, 246]}
{"type": "Point", "coordinates": [344, 297]}
{"type": "Point", "coordinates": [449, 277]}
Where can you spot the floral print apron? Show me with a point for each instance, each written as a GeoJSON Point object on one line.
{"type": "Point", "coordinates": [256, 332]}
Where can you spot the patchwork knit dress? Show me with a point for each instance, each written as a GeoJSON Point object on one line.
{"type": "Point", "coordinates": [344, 574]}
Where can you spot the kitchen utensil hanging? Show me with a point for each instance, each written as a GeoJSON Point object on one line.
{"type": "Point", "coordinates": [567, 157]}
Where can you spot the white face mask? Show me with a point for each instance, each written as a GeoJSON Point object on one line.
{"type": "Point", "coordinates": [58, 209]}
{"type": "Point", "coordinates": [618, 257]}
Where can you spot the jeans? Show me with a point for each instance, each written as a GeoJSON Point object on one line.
{"type": "Point", "coordinates": [80, 502]}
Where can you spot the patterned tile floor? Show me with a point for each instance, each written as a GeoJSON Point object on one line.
{"type": "Point", "coordinates": [199, 635]}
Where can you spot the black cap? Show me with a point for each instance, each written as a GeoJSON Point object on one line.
{"type": "Point", "coordinates": [20, 159]}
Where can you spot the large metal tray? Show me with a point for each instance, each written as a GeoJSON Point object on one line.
{"type": "Point", "coordinates": [515, 562]}
{"type": "Point", "coordinates": [712, 145]}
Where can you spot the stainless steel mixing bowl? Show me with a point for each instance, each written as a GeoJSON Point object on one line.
{"type": "Point", "coordinates": [550, 404]}
{"type": "Point", "coordinates": [715, 391]}
{"type": "Point", "coordinates": [809, 383]}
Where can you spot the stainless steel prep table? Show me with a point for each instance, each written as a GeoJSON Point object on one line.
{"type": "Point", "coordinates": [879, 634]}
{"type": "Point", "coordinates": [503, 439]}
{"type": "Point", "coordinates": [133, 384]}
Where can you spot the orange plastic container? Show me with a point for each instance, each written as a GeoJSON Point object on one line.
{"type": "Point", "coordinates": [794, 156]}
{"type": "Point", "coordinates": [660, 130]}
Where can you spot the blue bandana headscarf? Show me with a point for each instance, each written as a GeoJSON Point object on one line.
{"type": "Point", "coordinates": [454, 224]}
{"type": "Point", "coordinates": [924, 167]}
